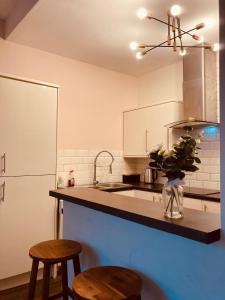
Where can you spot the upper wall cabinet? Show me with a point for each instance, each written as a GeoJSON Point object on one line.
{"type": "Point", "coordinates": [144, 128]}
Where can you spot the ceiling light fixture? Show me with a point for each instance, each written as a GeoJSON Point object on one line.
{"type": "Point", "coordinates": [139, 55]}
{"type": "Point", "coordinates": [183, 52]}
{"type": "Point", "coordinates": [134, 46]}
{"type": "Point", "coordinates": [175, 10]}
{"type": "Point", "coordinates": [142, 13]}
{"type": "Point", "coordinates": [201, 39]}
{"type": "Point", "coordinates": [216, 47]}
{"type": "Point", "coordinates": [174, 33]}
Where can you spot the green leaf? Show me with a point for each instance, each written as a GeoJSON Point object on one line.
{"type": "Point", "coordinates": [197, 160]}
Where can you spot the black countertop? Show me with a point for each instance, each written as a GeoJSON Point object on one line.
{"type": "Point", "coordinates": [190, 192]}
{"type": "Point", "coordinates": [196, 225]}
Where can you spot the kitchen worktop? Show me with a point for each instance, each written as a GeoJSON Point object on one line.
{"type": "Point", "coordinates": [191, 192]}
{"type": "Point", "coordinates": [196, 225]}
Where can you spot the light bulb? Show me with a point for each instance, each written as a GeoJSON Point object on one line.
{"type": "Point", "coordinates": [183, 52]}
{"type": "Point", "coordinates": [175, 10]}
{"type": "Point", "coordinates": [216, 47]}
{"type": "Point", "coordinates": [139, 55]}
{"type": "Point", "coordinates": [133, 46]}
{"type": "Point", "coordinates": [200, 26]}
{"type": "Point", "coordinates": [201, 39]}
{"type": "Point", "coordinates": [209, 23]}
{"type": "Point", "coordinates": [142, 13]}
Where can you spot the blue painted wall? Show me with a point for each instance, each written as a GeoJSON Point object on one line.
{"type": "Point", "coordinates": [184, 269]}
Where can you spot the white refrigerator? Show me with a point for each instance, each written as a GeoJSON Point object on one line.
{"type": "Point", "coordinates": [28, 143]}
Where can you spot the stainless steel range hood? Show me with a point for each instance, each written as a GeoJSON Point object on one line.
{"type": "Point", "coordinates": [200, 89]}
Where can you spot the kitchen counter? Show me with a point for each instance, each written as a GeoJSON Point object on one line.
{"type": "Point", "coordinates": [196, 225]}
{"type": "Point", "coordinates": [190, 192]}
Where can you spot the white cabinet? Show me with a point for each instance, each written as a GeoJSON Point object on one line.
{"type": "Point", "coordinates": [144, 128]}
{"type": "Point", "coordinates": [129, 193]}
{"type": "Point", "coordinates": [27, 128]}
{"type": "Point", "coordinates": [136, 133]}
{"type": "Point", "coordinates": [26, 217]}
{"type": "Point", "coordinates": [203, 205]}
{"type": "Point", "coordinates": [209, 206]}
{"type": "Point", "coordinates": [192, 203]}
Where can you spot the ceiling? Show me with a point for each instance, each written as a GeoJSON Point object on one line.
{"type": "Point", "coordinates": [99, 31]}
{"type": "Point", "coordinates": [6, 6]}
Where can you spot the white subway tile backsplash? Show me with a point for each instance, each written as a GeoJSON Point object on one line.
{"type": "Point", "coordinates": [69, 152]}
{"type": "Point", "coordinates": [209, 169]}
{"type": "Point", "coordinates": [196, 183]}
{"type": "Point", "coordinates": [210, 185]}
{"type": "Point", "coordinates": [202, 176]}
{"type": "Point", "coordinates": [215, 177]}
{"type": "Point", "coordinates": [82, 162]}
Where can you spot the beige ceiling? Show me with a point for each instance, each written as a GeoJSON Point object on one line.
{"type": "Point", "coordinates": [99, 31]}
{"type": "Point", "coordinates": [6, 7]}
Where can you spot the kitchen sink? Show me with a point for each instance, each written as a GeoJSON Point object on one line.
{"type": "Point", "coordinates": [109, 185]}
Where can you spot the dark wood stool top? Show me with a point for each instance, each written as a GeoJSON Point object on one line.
{"type": "Point", "coordinates": [55, 250]}
{"type": "Point", "coordinates": [106, 283]}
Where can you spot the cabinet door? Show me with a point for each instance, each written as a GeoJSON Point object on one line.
{"type": "Point", "coordinates": [144, 128]}
{"type": "Point", "coordinates": [209, 206]}
{"type": "Point", "coordinates": [192, 203]}
{"type": "Point", "coordinates": [144, 195]}
{"type": "Point", "coordinates": [159, 116]}
{"type": "Point", "coordinates": [129, 193]}
{"type": "Point", "coordinates": [28, 114]}
{"type": "Point", "coordinates": [26, 217]}
{"type": "Point", "coordinates": [135, 139]}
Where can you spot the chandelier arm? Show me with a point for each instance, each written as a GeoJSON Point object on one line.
{"type": "Point", "coordinates": [169, 33]}
{"type": "Point", "coordinates": [179, 31]}
{"type": "Point", "coordinates": [165, 23]}
{"type": "Point", "coordinates": [174, 35]}
{"type": "Point", "coordinates": [163, 43]}
{"type": "Point", "coordinates": [178, 46]}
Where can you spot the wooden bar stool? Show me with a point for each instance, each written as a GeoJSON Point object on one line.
{"type": "Point", "coordinates": [107, 283]}
{"type": "Point", "coordinates": [50, 253]}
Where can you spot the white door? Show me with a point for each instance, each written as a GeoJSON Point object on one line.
{"type": "Point", "coordinates": [135, 139]}
{"type": "Point", "coordinates": [27, 217]}
{"type": "Point", "coordinates": [27, 128]}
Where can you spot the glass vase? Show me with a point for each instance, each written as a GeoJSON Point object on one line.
{"type": "Point", "coordinates": [173, 199]}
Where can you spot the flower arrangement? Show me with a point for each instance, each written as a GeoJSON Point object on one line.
{"type": "Point", "coordinates": [180, 159]}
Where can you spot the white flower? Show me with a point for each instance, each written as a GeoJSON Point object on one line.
{"type": "Point", "coordinates": [180, 140]}
{"type": "Point", "coordinates": [157, 148]}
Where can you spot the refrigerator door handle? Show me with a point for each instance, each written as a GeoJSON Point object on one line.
{"type": "Point", "coordinates": [3, 192]}
{"type": "Point", "coordinates": [4, 163]}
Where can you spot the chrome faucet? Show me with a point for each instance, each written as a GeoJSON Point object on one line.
{"type": "Point", "coordinates": [95, 181]}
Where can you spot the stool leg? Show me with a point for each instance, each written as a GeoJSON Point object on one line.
{"type": "Point", "coordinates": [64, 280]}
{"type": "Point", "coordinates": [33, 278]}
{"type": "Point", "coordinates": [138, 297]}
{"type": "Point", "coordinates": [46, 281]}
{"type": "Point", "coordinates": [76, 265]}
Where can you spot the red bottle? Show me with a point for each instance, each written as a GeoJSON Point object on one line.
{"type": "Point", "coordinates": [71, 180]}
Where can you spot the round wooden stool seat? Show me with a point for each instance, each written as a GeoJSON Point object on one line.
{"type": "Point", "coordinates": [55, 250]}
{"type": "Point", "coordinates": [50, 253]}
{"type": "Point", "coordinates": [107, 283]}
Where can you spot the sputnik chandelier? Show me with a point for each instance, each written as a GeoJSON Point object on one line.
{"type": "Point", "coordinates": [175, 34]}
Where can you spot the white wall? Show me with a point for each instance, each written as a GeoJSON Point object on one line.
{"type": "Point", "coordinates": [164, 84]}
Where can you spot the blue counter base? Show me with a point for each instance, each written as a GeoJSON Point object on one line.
{"type": "Point", "coordinates": [182, 269]}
